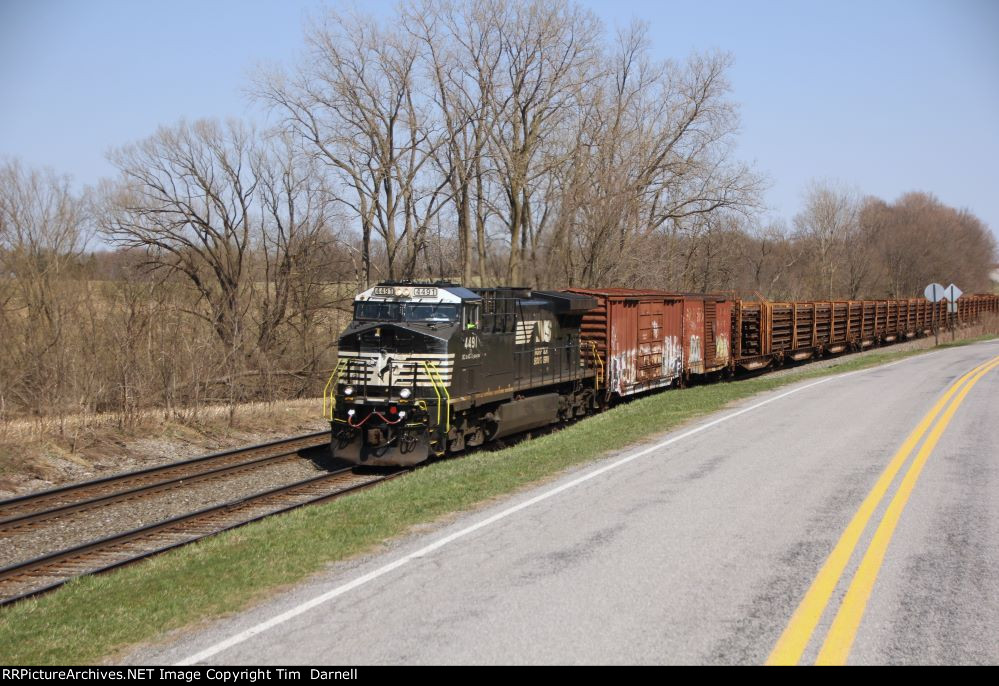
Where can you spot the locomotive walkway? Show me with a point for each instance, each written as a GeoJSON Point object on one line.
{"type": "Point", "coordinates": [850, 519]}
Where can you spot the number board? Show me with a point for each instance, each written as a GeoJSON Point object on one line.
{"type": "Point", "coordinates": [405, 292]}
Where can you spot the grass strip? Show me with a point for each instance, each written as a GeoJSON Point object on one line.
{"type": "Point", "coordinates": [94, 618]}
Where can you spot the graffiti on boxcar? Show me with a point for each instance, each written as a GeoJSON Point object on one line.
{"type": "Point", "coordinates": [721, 347]}
{"type": "Point", "coordinates": [621, 366]}
{"type": "Point", "coordinates": [651, 362]}
{"type": "Point", "coordinates": [695, 350]}
{"type": "Point", "coordinates": [613, 375]}
{"type": "Point", "coordinates": [672, 358]}
{"type": "Point", "coordinates": [622, 371]}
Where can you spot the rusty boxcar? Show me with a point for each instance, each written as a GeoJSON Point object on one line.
{"type": "Point", "coordinates": [633, 338]}
{"type": "Point", "coordinates": [707, 333]}
{"type": "Point", "coordinates": [640, 340]}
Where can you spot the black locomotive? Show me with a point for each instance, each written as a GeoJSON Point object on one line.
{"type": "Point", "coordinates": [430, 368]}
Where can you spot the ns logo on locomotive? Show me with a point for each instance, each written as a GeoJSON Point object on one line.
{"type": "Point", "coordinates": [430, 368]}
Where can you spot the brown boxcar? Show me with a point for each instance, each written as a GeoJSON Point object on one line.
{"type": "Point", "coordinates": [633, 338]}
{"type": "Point", "coordinates": [707, 333]}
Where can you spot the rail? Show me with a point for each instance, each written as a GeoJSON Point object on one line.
{"type": "Point", "coordinates": [43, 505]}
{"type": "Point", "coordinates": [50, 571]}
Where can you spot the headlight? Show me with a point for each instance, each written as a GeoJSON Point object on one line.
{"type": "Point", "coordinates": [351, 412]}
{"type": "Point", "coordinates": [402, 414]}
{"type": "Point", "coordinates": [349, 390]}
{"type": "Point", "coordinates": [405, 393]}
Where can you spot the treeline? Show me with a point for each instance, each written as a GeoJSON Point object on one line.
{"type": "Point", "coordinates": [841, 245]}
{"type": "Point", "coordinates": [120, 331]}
{"type": "Point", "coordinates": [486, 142]}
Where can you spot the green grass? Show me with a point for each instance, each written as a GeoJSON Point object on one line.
{"type": "Point", "coordinates": [95, 618]}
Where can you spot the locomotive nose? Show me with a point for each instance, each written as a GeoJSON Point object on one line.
{"type": "Point", "coordinates": [384, 359]}
{"type": "Point", "coordinates": [388, 338]}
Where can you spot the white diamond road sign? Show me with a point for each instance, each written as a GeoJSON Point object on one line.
{"type": "Point", "coordinates": [935, 293]}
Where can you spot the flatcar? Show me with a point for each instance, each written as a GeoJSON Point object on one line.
{"type": "Point", "coordinates": [430, 368]}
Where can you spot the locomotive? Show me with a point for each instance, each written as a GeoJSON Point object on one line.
{"type": "Point", "coordinates": [427, 368]}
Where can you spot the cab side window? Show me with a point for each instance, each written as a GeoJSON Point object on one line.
{"type": "Point", "coordinates": [472, 316]}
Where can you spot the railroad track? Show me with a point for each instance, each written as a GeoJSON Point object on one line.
{"type": "Point", "coordinates": [18, 513]}
{"type": "Point", "coordinates": [51, 571]}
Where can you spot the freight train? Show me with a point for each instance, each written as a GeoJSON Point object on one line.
{"type": "Point", "coordinates": [426, 369]}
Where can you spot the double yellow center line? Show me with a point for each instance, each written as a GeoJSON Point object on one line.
{"type": "Point", "coordinates": [839, 639]}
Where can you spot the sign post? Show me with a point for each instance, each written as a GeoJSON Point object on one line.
{"type": "Point", "coordinates": [953, 293]}
{"type": "Point", "coordinates": [935, 293]}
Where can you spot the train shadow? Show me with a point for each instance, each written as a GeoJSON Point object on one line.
{"type": "Point", "coordinates": [323, 461]}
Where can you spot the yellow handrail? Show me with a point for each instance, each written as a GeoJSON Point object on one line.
{"type": "Point", "coordinates": [447, 417]}
{"type": "Point", "coordinates": [596, 356]}
{"type": "Point", "coordinates": [329, 397]}
{"type": "Point", "coordinates": [433, 384]}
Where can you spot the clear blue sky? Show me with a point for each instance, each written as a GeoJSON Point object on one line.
{"type": "Point", "coordinates": [885, 96]}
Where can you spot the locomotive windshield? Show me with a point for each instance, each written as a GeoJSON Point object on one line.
{"type": "Point", "coordinates": [405, 312]}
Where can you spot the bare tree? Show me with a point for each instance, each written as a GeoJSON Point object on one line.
{"type": "Point", "coordinates": [768, 253]}
{"type": "Point", "coordinates": [547, 51]}
{"type": "Point", "coordinates": [354, 106]}
{"type": "Point", "coordinates": [917, 240]}
{"type": "Point", "coordinates": [291, 289]}
{"type": "Point", "coordinates": [652, 156]}
{"type": "Point", "coordinates": [825, 226]}
{"type": "Point", "coordinates": [237, 221]}
{"type": "Point", "coordinates": [460, 48]}
{"type": "Point", "coordinates": [43, 231]}
{"type": "Point", "coordinates": [185, 199]}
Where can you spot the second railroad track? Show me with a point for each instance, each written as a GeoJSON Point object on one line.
{"type": "Point", "coordinates": [51, 570]}
{"type": "Point", "coordinates": [35, 508]}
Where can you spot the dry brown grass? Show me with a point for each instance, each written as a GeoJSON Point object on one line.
{"type": "Point", "coordinates": [41, 453]}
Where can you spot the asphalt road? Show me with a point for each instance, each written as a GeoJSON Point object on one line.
{"type": "Point", "coordinates": [699, 551]}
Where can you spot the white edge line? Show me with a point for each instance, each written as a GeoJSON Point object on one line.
{"type": "Point", "coordinates": [385, 569]}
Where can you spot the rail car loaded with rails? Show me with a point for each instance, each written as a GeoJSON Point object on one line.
{"type": "Point", "coordinates": [430, 368]}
